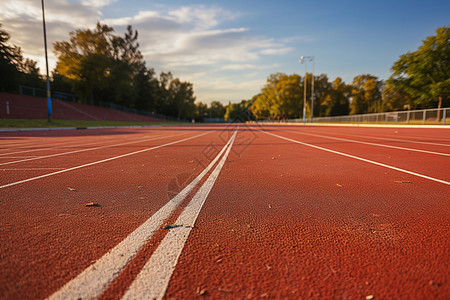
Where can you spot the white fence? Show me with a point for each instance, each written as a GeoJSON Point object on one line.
{"type": "Point", "coordinates": [425, 116]}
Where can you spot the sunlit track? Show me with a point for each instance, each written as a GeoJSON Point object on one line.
{"type": "Point", "coordinates": [362, 159]}
{"type": "Point", "coordinates": [55, 146]}
{"type": "Point", "coordinates": [371, 144]}
{"type": "Point", "coordinates": [87, 149]}
{"type": "Point", "coordinates": [96, 162]}
{"type": "Point", "coordinates": [228, 212]}
{"type": "Point", "coordinates": [398, 140]}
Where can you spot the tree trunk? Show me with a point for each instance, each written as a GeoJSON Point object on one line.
{"type": "Point", "coordinates": [439, 109]}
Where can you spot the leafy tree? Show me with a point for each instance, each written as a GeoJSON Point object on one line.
{"type": "Point", "coordinates": [395, 99]}
{"type": "Point", "coordinates": [86, 60]}
{"type": "Point", "coordinates": [279, 98]}
{"type": "Point", "coordinates": [175, 98]}
{"type": "Point", "coordinates": [322, 89]}
{"type": "Point", "coordinates": [201, 111]}
{"type": "Point", "coordinates": [104, 67]}
{"type": "Point", "coordinates": [14, 68]}
{"type": "Point", "coordinates": [425, 73]}
{"type": "Point", "coordinates": [216, 110]}
{"type": "Point", "coordinates": [336, 101]}
{"type": "Point", "coordinates": [147, 87]}
{"type": "Point", "coordinates": [239, 112]}
{"type": "Point", "coordinates": [366, 94]}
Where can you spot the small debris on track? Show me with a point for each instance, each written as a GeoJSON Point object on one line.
{"type": "Point", "coordinates": [171, 226]}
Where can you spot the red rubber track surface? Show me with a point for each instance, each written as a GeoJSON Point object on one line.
{"type": "Point", "coordinates": [283, 220]}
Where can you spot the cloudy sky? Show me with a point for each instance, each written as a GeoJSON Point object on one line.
{"type": "Point", "coordinates": [228, 48]}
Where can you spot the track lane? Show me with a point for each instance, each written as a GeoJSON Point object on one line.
{"type": "Point", "coordinates": [364, 141]}
{"type": "Point", "coordinates": [418, 162]}
{"type": "Point", "coordinates": [283, 220]}
{"type": "Point", "coordinates": [306, 227]}
{"type": "Point", "coordinates": [428, 137]}
{"type": "Point", "coordinates": [57, 236]}
{"type": "Point", "coordinates": [84, 157]}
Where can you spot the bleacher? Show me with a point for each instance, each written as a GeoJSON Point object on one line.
{"type": "Point", "coordinates": [14, 106]}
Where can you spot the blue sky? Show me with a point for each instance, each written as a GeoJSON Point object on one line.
{"type": "Point", "coordinates": [227, 49]}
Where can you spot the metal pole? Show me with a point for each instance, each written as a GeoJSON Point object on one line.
{"type": "Point", "coordinates": [312, 90]}
{"type": "Point", "coordinates": [304, 97]}
{"type": "Point", "coordinates": [49, 99]}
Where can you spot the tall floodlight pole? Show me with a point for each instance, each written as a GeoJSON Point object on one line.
{"type": "Point", "coordinates": [304, 92]}
{"type": "Point", "coordinates": [302, 59]}
{"type": "Point", "coordinates": [49, 98]}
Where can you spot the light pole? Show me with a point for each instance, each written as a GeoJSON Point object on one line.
{"type": "Point", "coordinates": [49, 99]}
{"type": "Point", "coordinates": [304, 59]}
{"type": "Point", "coordinates": [304, 93]}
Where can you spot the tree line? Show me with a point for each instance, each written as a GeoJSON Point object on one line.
{"type": "Point", "coordinates": [100, 66]}
{"type": "Point", "coordinates": [420, 79]}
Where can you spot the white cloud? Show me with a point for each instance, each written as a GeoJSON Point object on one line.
{"type": "Point", "coordinates": [277, 51]}
{"type": "Point", "coordinates": [187, 40]}
{"type": "Point", "coordinates": [97, 3]}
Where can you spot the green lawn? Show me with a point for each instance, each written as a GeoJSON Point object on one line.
{"type": "Point", "coordinates": [25, 123]}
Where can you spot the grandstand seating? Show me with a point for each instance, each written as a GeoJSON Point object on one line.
{"type": "Point", "coordinates": [14, 106]}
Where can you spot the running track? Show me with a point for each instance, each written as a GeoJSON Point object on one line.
{"type": "Point", "coordinates": [225, 212]}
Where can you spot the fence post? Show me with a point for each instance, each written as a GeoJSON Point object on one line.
{"type": "Point", "coordinates": [424, 116]}
{"type": "Point", "coordinates": [444, 114]}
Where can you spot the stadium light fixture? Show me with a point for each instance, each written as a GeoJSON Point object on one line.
{"type": "Point", "coordinates": [304, 59]}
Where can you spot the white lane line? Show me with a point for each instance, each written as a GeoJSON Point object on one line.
{"type": "Point", "coordinates": [95, 279]}
{"type": "Point", "coordinates": [9, 157]}
{"type": "Point", "coordinates": [368, 143]}
{"type": "Point", "coordinates": [31, 169]}
{"type": "Point", "coordinates": [359, 158]}
{"type": "Point", "coordinates": [397, 140]}
{"type": "Point", "coordinates": [56, 145]}
{"type": "Point", "coordinates": [100, 161]}
{"type": "Point", "coordinates": [152, 281]}
{"type": "Point", "coordinates": [84, 150]}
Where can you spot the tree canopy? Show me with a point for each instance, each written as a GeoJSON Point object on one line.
{"type": "Point", "coordinates": [104, 67]}
{"type": "Point", "coordinates": [14, 68]}
{"type": "Point", "coordinates": [425, 73]}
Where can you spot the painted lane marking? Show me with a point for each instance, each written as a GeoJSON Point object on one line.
{"type": "Point", "coordinates": [84, 150]}
{"type": "Point", "coordinates": [398, 140]}
{"type": "Point", "coordinates": [368, 143]}
{"type": "Point", "coordinates": [100, 161]}
{"type": "Point", "coordinates": [54, 146]}
{"type": "Point", "coordinates": [153, 280]}
{"type": "Point", "coordinates": [359, 158]}
{"type": "Point", "coordinates": [31, 169]}
{"type": "Point", "coordinates": [95, 279]}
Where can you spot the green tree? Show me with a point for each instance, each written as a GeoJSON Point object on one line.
{"type": "Point", "coordinates": [102, 66]}
{"type": "Point", "coordinates": [14, 68]}
{"type": "Point", "coordinates": [366, 95]}
{"type": "Point", "coordinates": [147, 87]}
{"type": "Point", "coordinates": [86, 60]}
{"type": "Point", "coordinates": [322, 89]}
{"type": "Point", "coordinates": [175, 98]}
{"type": "Point", "coordinates": [216, 110]}
{"type": "Point", "coordinates": [239, 112]}
{"type": "Point", "coordinates": [395, 99]}
{"type": "Point", "coordinates": [201, 111]}
{"type": "Point", "coordinates": [279, 98]}
{"type": "Point", "coordinates": [336, 101]}
{"type": "Point", "coordinates": [425, 73]}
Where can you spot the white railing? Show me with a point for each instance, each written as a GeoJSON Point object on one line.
{"type": "Point", "coordinates": [433, 116]}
